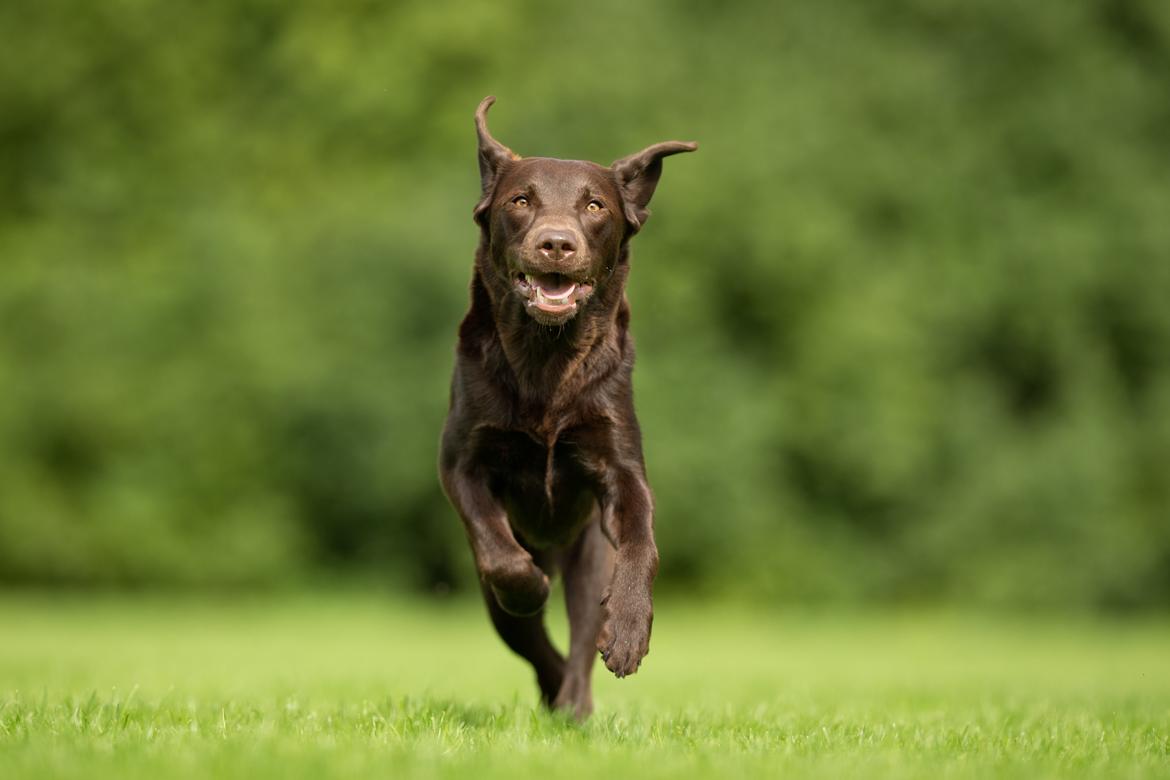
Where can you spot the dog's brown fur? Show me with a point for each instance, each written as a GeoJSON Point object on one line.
{"type": "Point", "coordinates": [541, 454]}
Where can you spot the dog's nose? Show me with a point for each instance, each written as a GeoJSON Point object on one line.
{"type": "Point", "coordinates": [556, 244]}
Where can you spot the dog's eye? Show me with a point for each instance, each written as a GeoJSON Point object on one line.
{"type": "Point", "coordinates": [595, 206]}
{"type": "Point", "coordinates": [520, 200]}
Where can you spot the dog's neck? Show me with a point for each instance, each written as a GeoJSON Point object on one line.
{"type": "Point", "coordinates": [549, 366]}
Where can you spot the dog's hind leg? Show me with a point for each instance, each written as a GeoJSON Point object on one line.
{"type": "Point", "coordinates": [526, 636]}
{"type": "Point", "coordinates": [587, 568]}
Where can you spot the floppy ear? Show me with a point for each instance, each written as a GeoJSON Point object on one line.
{"type": "Point", "coordinates": [637, 177]}
{"type": "Point", "coordinates": [493, 155]}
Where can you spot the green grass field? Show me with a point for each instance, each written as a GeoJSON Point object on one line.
{"type": "Point", "coordinates": [355, 686]}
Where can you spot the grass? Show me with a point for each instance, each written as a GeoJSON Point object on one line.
{"type": "Point", "coordinates": [344, 686]}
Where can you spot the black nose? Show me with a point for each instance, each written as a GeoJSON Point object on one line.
{"type": "Point", "coordinates": [556, 244]}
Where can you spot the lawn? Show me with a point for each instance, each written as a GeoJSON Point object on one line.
{"type": "Point", "coordinates": [353, 686]}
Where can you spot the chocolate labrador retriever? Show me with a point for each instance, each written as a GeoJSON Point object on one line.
{"type": "Point", "coordinates": [541, 454]}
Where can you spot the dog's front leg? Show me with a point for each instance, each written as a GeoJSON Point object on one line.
{"type": "Point", "coordinates": [628, 519]}
{"type": "Point", "coordinates": [520, 587]}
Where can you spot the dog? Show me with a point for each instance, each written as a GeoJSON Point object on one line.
{"type": "Point", "coordinates": [541, 454]}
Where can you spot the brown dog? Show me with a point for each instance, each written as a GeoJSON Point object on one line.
{"type": "Point", "coordinates": [541, 454]}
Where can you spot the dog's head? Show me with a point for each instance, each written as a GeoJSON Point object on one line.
{"type": "Point", "coordinates": [555, 230]}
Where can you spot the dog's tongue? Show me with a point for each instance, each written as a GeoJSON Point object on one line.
{"type": "Point", "coordinates": [553, 285]}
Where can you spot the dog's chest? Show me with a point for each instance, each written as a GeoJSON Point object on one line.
{"type": "Point", "coordinates": [548, 489]}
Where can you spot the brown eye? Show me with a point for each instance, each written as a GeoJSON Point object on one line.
{"type": "Point", "coordinates": [520, 200]}
{"type": "Point", "coordinates": [594, 205]}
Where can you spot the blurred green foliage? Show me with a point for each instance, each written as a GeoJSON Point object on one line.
{"type": "Point", "coordinates": [903, 321]}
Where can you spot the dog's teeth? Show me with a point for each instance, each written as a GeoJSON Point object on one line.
{"type": "Point", "coordinates": [541, 296]}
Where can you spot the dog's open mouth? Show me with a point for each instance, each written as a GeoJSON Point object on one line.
{"type": "Point", "coordinates": [554, 295]}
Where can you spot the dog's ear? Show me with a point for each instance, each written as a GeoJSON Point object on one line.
{"type": "Point", "coordinates": [637, 177]}
{"type": "Point", "coordinates": [493, 155]}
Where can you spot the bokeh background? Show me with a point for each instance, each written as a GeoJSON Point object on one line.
{"type": "Point", "coordinates": [903, 321]}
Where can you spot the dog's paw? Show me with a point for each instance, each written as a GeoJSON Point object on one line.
{"type": "Point", "coordinates": [575, 698]}
{"type": "Point", "coordinates": [520, 587]}
{"type": "Point", "coordinates": [625, 636]}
